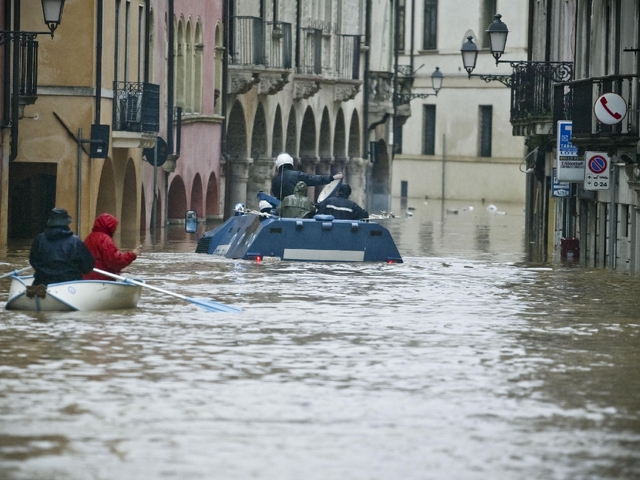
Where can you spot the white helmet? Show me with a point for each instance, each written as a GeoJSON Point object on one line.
{"type": "Point", "coordinates": [264, 205]}
{"type": "Point", "coordinates": [283, 159]}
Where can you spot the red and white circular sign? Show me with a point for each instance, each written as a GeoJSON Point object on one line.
{"type": "Point", "coordinates": [610, 108]}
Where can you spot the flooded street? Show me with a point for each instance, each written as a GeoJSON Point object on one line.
{"type": "Point", "coordinates": [464, 362]}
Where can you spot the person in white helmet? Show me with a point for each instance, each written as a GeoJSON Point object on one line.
{"type": "Point", "coordinates": [286, 178]}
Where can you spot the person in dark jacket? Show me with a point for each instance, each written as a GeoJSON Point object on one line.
{"type": "Point", "coordinates": [101, 245]}
{"type": "Point", "coordinates": [286, 178]}
{"type": "Point", "coordinates": [57, 255]}
{"type": "Point", "coordinates": [297, 205]}
{"type": "Point", "coordinates": [341, 207]}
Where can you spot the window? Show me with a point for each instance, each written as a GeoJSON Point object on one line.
{"type": "Point", "coordinates": [141, 52]}
{"type": "Point", "coordinates": [429, 130]}
{"type": "Point", "coordinates": [486, 113]}
{"type": "Point", "coordinates": [430, 39]}
{"type": "Point", "coordinates": [488, 10]}
{"type": "Point", "coordinates": [401, 26]}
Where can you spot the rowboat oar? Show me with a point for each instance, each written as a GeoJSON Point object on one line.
{"type": "Point", "coordinates": [15, 272]}
{"type": "Point", "coordinates": [208, 305]}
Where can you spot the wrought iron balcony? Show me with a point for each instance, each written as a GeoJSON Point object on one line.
{"type": "Point", "coordinates": [575, 100]}
{"type": "Point", "coordinates": [257, 42]}
{"type": "Point", "coordinates": [531, 86]}
{"type": "Point", "coordinates": [28, 71]}
{"type": "Point", "coordinates": [136, 107]}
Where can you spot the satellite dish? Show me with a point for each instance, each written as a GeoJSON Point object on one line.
{"type": "Point", "coordinates": [163, 153]}
{"type": "Point", "coordinates": [329, 190]}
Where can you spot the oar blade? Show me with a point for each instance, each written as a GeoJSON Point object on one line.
{"type": "Point", "coordinates": [212, 306]}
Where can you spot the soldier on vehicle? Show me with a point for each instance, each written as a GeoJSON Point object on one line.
{"type": "Point", "coordinates": [286, 178]}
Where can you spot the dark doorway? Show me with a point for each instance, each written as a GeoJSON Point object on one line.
{"type": "Point", "coordinates": [32, 194]}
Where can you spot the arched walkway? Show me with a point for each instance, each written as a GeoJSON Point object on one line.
{"type": "Point", "coordinates": [292, 134]}
{"type": "Point", "coordinates": [238, 165]}
{"type": "Point", "coordinates": [128, 226]}
{"type": "Point", "coordinates": [177, 199]}
{"type": "Point", "coordinates": [106, 202]}
{"type": "Point", "coordinates": [213, 200]}
{"type": "Point", "coordinates": [262, 165]}
{"type": "Point", "coordinates": [380, 179]}
{"type": "Point", "coordinates": [196, 202]}
{"type": "Point", "coordinates": [276, 138]}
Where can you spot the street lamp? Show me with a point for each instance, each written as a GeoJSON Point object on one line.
{"type": "Point", "coordinates": [436, 80]}
{"type": "Point", "coordinates": [469, 52]}
{"type": "Point", "coordinates": [52, 12]}
{"type": "Point", "coordinates": [498, 32]}
{"type": "Point", "coordinates": [436, 85]}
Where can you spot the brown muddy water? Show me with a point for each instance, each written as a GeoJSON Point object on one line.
{"type": "Point", "coordinates": [464, 362]}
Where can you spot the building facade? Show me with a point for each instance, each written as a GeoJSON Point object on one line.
{"type": "Point", "coordinates": [606, 35]}
{"type": "Point", "coordinates": [294, 83]}
{"type": "Point", "coordinates": [61, 96]}
{"type": "Point", "coordinates": [457, 143]}
{"type": "Point", "coordinates": [186, 57]}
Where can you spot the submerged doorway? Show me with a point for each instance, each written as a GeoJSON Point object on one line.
{"type": "Point", "coordinates": [32, 194]}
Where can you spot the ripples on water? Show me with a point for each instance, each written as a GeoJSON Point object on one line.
{"type": "Point", "coordinates": [461, 363]}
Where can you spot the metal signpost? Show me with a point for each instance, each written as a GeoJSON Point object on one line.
{"type": "Point", "coordinates": [570, 166]}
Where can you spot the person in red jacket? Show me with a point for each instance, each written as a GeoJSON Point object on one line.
{"type": "Point", "coordinates": [100, 244]}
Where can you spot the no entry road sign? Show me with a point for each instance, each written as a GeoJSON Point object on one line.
{"type": "Point", "coordinates": [597, 172]}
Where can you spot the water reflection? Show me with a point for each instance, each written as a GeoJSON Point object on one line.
{"type": "Point", "coordinates": [461, 362]}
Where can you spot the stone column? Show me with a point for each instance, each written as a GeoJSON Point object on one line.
{"type": "Point", "coordinates": [260, 175]}
{"type": "Point", "coordinates": [357, 174]}
{"type": "Point", "coordinates": [239, 169]}
{"type": "Point", "coordinates": [309, 165]}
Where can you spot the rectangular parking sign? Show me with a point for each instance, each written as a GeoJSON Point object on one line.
{"type": "Point", "coordinates": [598, 168]}
{"type": "Point", "coordinates": [570, 166]}
{"type": "Point", "coordinates": [559, 189]}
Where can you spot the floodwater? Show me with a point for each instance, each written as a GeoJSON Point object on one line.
{"type": "Point", "coordinates": [464, 362]}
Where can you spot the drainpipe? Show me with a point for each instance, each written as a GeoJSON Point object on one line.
{"type": "Point", "coordinates": [613, 218]}
{"type": "Point", "coordinates": [366, 80]}
{"type": "Point", "coordinates": [395, 78]}
{"type": "Point", "coordinates": [223, 107]}
{"type": "Point", "coordinates": [6, 112]}
{"type": "Point", "coordinates": [16, 85]}
{"type": "Point", "coordinates": [99, 61]}
{"type": "Point", "coordinates": [170, 79]}
{"type": "Point", "coordinates": [413, 24]}
{"type": "Point", "coordinates": [298, 14]}
{"type": "Point", "coordinates": [147, 30]}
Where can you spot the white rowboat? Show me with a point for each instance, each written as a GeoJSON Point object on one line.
{"type": "Point", "coordinates": [79, 295]}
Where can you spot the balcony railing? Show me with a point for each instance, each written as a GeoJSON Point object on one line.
{"type": "Point", "coordinates": [256, 42]}
{"type": "Point", "coordinates": [532, 87]}
{"type": "Point", "coordinates": [136, 107]}
{"type": "Point", "coordinates": [310, 51]}
{"type": "Point", "coordinates": [28, 70]}
{"type": "Point", "coordinates": [348, 57]}
{"type": "Point", "coordinates": [575, 100]}
{"type": "Point", "coordinates": [279, 51]}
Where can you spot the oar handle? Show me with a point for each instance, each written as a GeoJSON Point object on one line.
{"type": "Point", "coordinates": [16, 272]}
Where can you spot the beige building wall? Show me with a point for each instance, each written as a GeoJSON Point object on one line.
{"type": "Point", "coordinates": [468, 176]}
{"type": "Point", "coordinates": [49, 130]}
